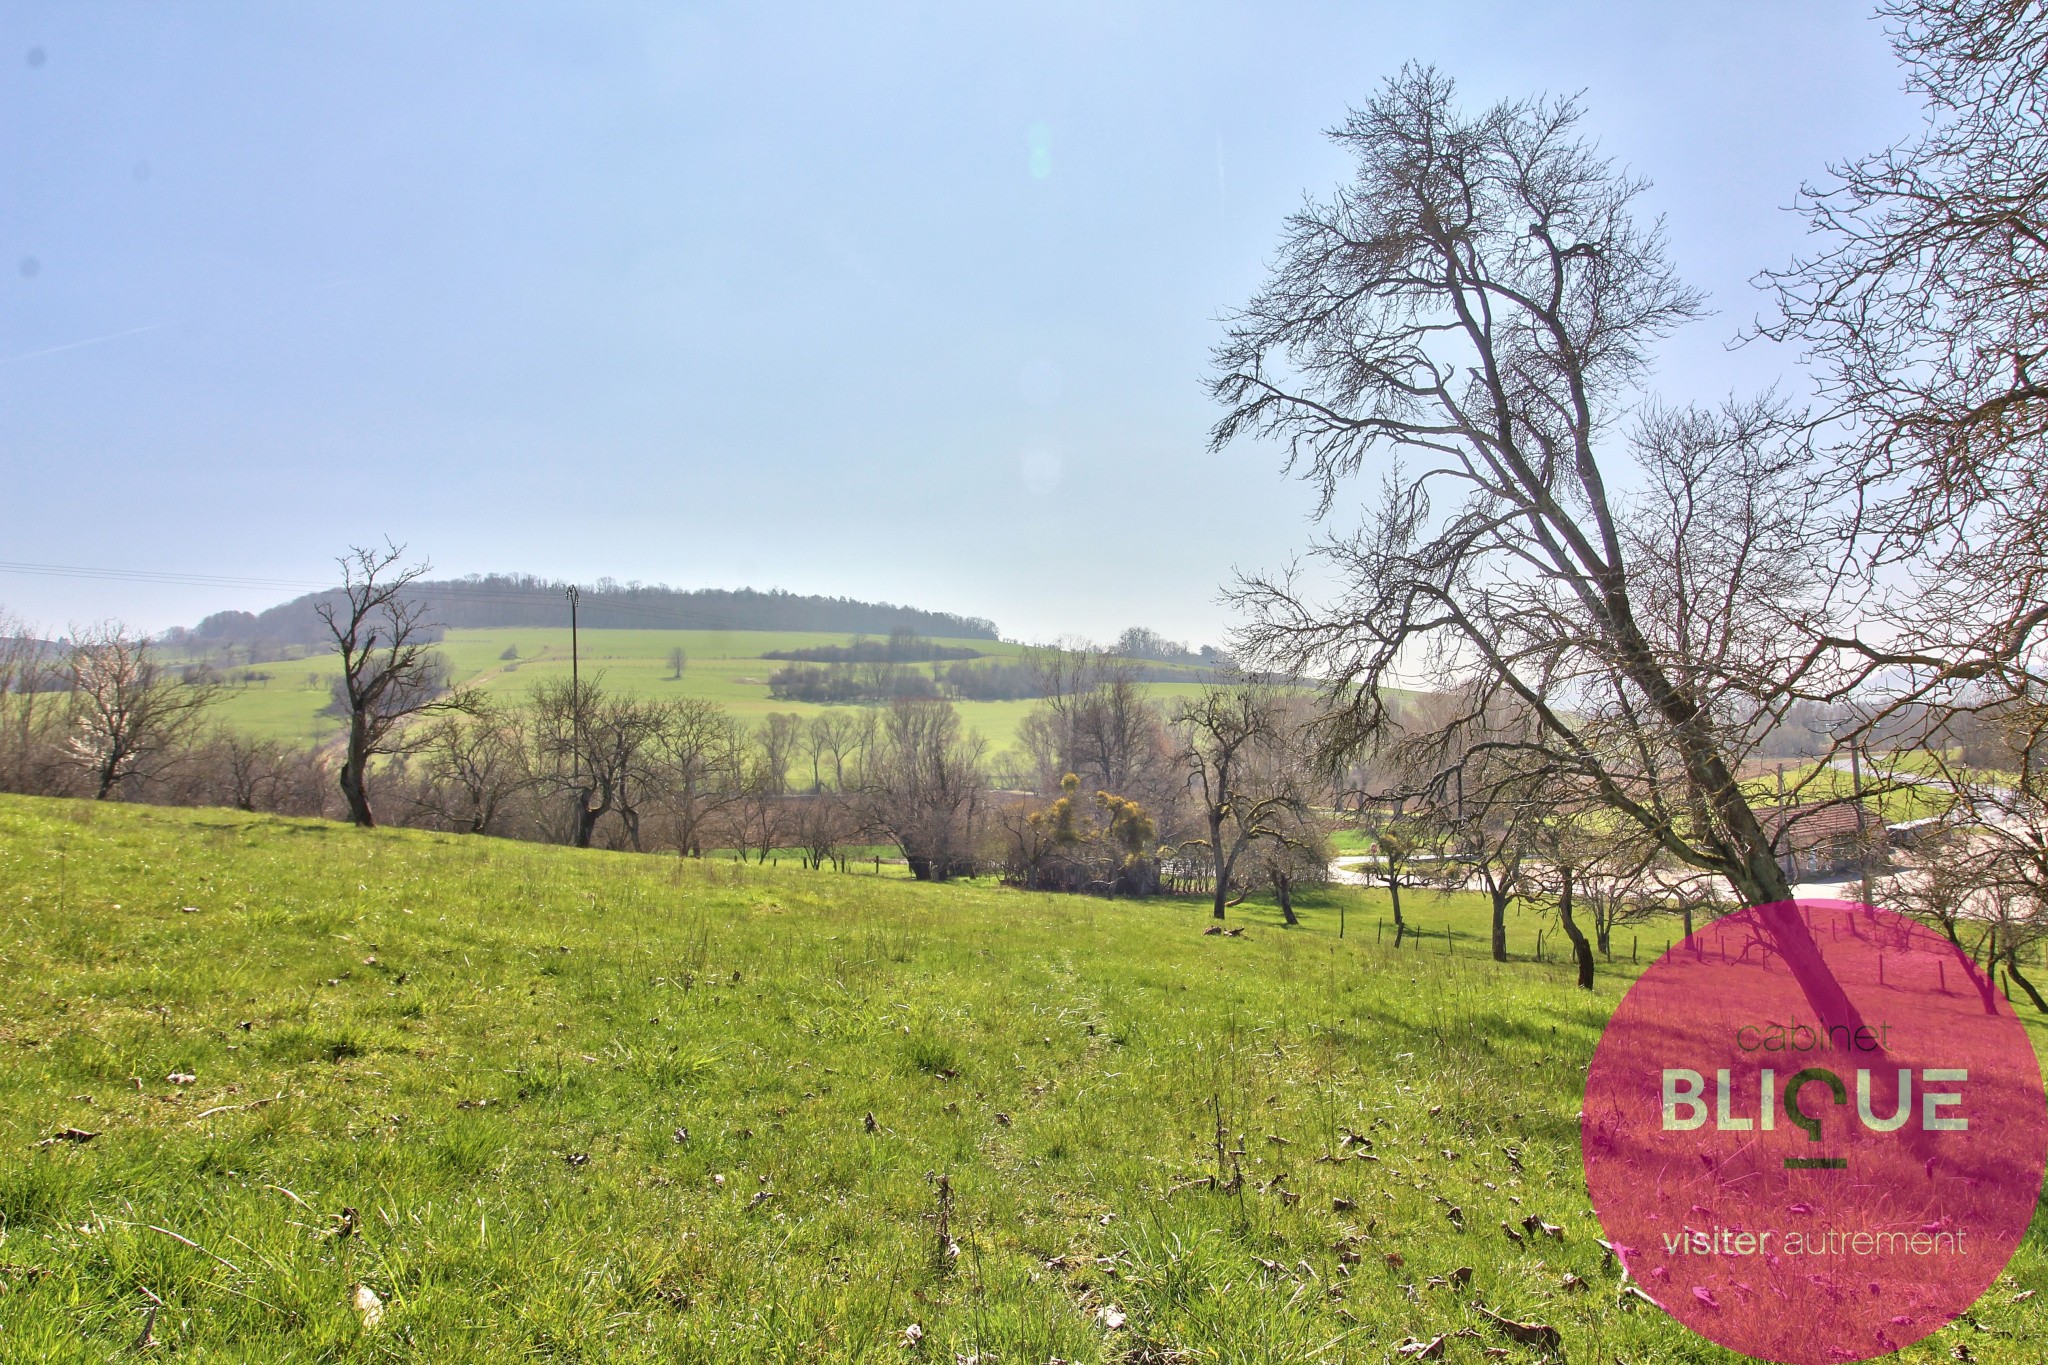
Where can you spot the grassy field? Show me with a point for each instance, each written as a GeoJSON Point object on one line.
{"type": "Point", "coordinates": [724, 665]}
{"type": "Point", "coordinates": [551, 1105]}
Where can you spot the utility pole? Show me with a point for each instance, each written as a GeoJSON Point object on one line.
{"type": "Point", "coordinates": [1863, 849]}
{"type": "Point", "coordinates": [574, 594]}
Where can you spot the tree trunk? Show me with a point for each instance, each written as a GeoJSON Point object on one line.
{"type": "Point", "coordinates": [2012, 970]}
{"type": "Point", "coordinates": [1500, 925]}
{"type": "Point", "coordinates": [1394, 893]}
{"type": "Point", "coordinates": [1582, 950]}
{"type": "Point", "coordinates": [1282, 893]}
{"type": "Point", "coordinates": [354, 770]}
{"type": "Point", "coordinates": [1222, 863]}
{"type": "Point", "coordinates": [587, 816]}
{"type": "Point", "coordinates": [920, 867]}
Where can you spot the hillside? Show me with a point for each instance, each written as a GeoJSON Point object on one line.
{"type": "Point", "coordinates": [287, 700]}
{"type": "Point", "coordinates": [521, 600]}
{"type": "Point", "coordinates": [586, 1106]}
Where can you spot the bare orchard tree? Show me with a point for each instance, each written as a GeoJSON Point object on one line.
{"type": "Point", "coordinates": [827, 735]}
{"type": "Point", "coordinates": [390, 675]}
{"type": "Point", "coordinates": [820, 826]}
{"type": "Point", "coordinates": [601, 749]}
{"type": "Point", "coordinates": [1226, 738]}
{"type": "Point", "coordinates": [1291, 849]}
{"type": "Point", "coordinates": [777, 741]}
{"type": "Point", "coordinates": [2001, 799]}
{"type": "Point", "coordinates": [472, 767]}
{"type": "Point", "coordinates": [1476, 310]}
{"type": "Point", "coordinates": [127, 717]}
{"type": "Point", "coordinates": [924, 786]}
{"type": "Point", "coordinates": [700, 761]}
{"type": "Point", "coordinates": [1405, 854]}
{"type": "Point", "coordinates": [1096, 722]}
{"type": "Point", "coordinates": [1483, 798]}
{"type": "Point", "coordinates": [256, 774]}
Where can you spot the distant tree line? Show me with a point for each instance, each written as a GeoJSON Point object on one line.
{"type": "Point", "coordinates": [903, 646]}
{"type": "Point", "coordinates": [497, 600]}
{"type": "Point", "coordinates": [849, 682]}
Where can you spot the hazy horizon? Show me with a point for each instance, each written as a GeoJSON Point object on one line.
{"type": "Point", "coordinates": [906, 304]}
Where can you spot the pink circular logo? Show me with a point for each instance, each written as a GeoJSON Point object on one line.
{"type": "Point", "coordinates": [1814, 1132]}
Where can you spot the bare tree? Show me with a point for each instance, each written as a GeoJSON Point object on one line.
{"type": "Point", "coordinates": [1479, 300]}
{"type": "Point", "coordinates": [924, 786]}
{"type": "Point", "coordinates": [700, 754]}
{"type": "Point", "coordinates": [1223, 733]}
{"type": "Point", "coordinates": [820, 826]}
{"type": "Point", "coordinates": [1922, 310]}
{"type": "Point", "coordinates": [677, 659]}
{"type": "Point", "coordinates": [776, 740]}
{"type": "Point", "coordinates": [1097, 723]}
{"type": "Point", "coordinates": [1405, 855]}
{"type": "Point", "coordinates": [600, 748]}
{"type": "Point", "coordinates": [389, 673]}
{"type": "Point", "coordinates": [1291, 849]}
{"type": "Point", "coordinates": [472, 767]}
{"type": "Point", "coordinates": [252, 773]}
{"type": "Point", "coordinates": [126, 717]}
{"type": "Point", "coordinates": [1492, 844]}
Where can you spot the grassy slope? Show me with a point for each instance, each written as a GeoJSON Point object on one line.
{"type": "Point", "coordinates": [602, 1002]}
{"type": "Point", "coordinates": [725, 666]}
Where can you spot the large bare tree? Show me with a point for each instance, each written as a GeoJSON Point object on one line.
{"type": "Point", "coordinates": [1473, 314]}
{"type": "Point", "coordinates": [390, 674]}
{"type": "Point", "coordinates": [1923, 305]}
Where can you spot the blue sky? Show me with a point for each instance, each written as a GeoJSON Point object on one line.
{"type": "Point", "coordinates": [909, 302]}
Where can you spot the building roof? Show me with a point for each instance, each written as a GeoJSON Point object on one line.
{"type": "Point", "coordinates": [1801, 825]}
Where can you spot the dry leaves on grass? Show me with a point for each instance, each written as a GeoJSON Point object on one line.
{"type": "Point", "coordinates": [1538, 1334]}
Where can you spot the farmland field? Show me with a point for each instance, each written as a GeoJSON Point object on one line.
{"type": "Point", "coordinates": [285, 700]}
{"type": "Point", "coordinates": [560, 1105]}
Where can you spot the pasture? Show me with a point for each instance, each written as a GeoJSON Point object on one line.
{"type": "Point", "coordinates": [286, 700]}
{"type": "Point", "coordinates": [557, 1105]}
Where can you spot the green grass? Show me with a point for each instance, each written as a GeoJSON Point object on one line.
{"type": "Point", "coordinates": [725, 666]}
{"type": "Point", "coordinates": [489, 1051]}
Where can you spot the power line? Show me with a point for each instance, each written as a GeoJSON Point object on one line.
{"type": "Point", "coordinates": [201, 580]}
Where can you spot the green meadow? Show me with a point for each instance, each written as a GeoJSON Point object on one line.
{"type": "Point", "coordinates": [724, 666]}
{"type": "Point", "coordinates": [555, 1105]}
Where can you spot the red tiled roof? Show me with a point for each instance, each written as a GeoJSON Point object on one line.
{"type": "Point", "coordinates": [1804, 825]}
